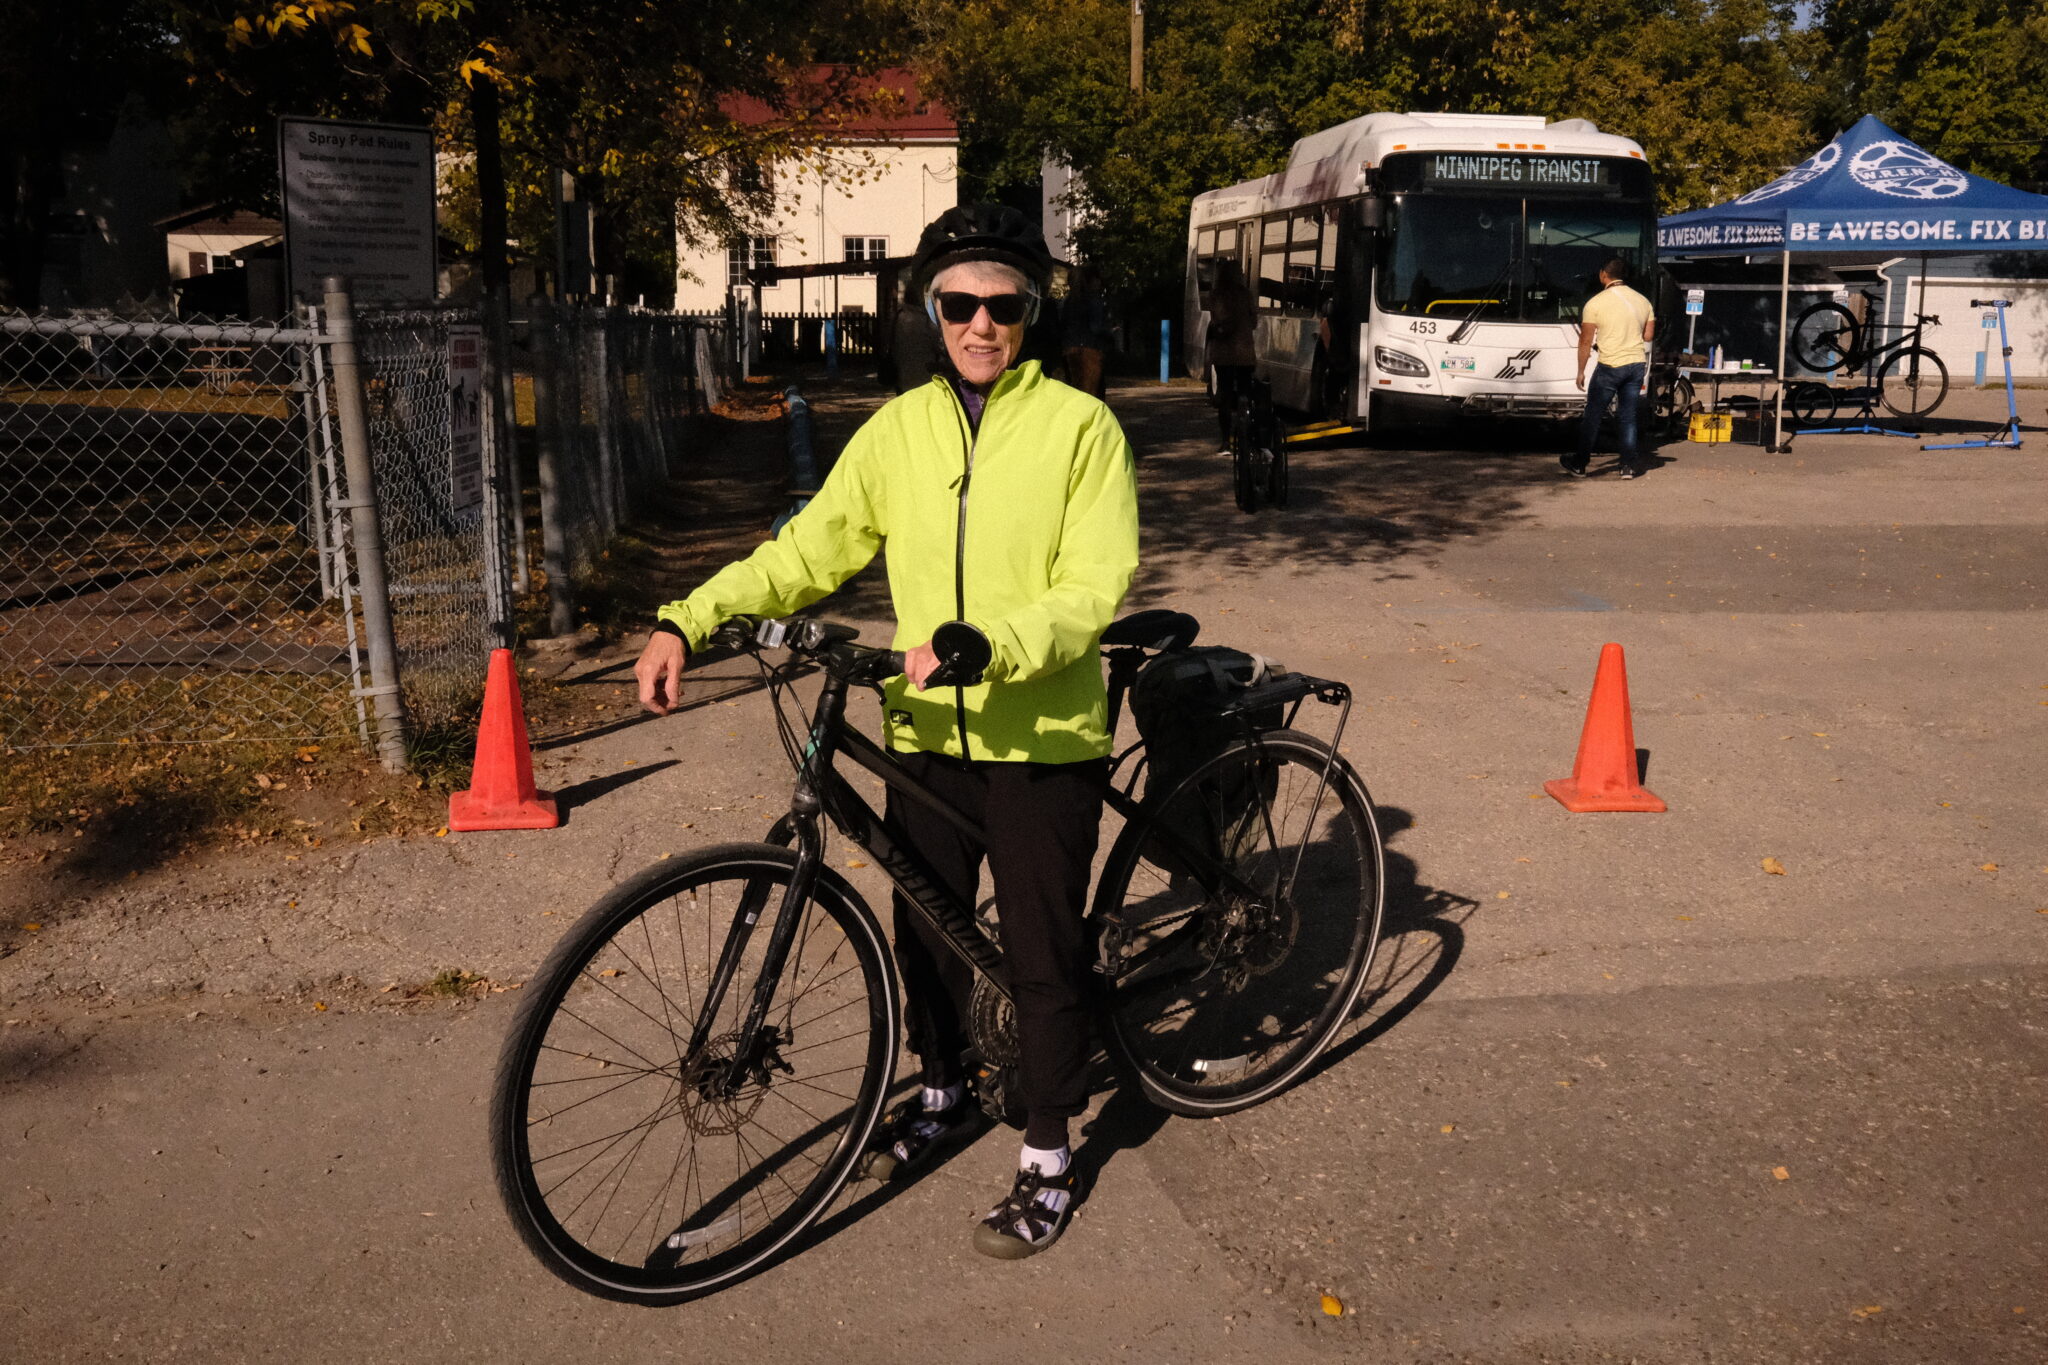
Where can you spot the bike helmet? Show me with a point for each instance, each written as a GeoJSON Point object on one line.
{"type": "Point", "coordinates": [981, 232]}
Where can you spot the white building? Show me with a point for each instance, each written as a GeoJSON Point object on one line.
{"type": "Point", "coordinates": [865, 197]}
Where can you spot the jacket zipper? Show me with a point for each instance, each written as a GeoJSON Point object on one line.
{"type": "Point", "coordinates": [972, 433]}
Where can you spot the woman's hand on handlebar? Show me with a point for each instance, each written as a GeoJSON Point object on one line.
{"type": "Point", "coordinates": [660, 673]}
{"type": "Point", "coordinates": [920, 663]}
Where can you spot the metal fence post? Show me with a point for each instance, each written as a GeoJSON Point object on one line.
{"type": "Point", "coordinates": [352, 415]}
{"type": "Point", "coordinates": [547, 426]}
{"type": "Point", "coordinates": [604, 415]}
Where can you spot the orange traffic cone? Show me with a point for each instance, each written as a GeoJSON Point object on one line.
{"type": "Point", "coordinates": [1604, 776]}
{"type": "Point", "coordinates": [501, 794]}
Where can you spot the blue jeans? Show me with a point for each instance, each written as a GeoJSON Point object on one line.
{"type": "Point", "coordinates": [1621, 385]}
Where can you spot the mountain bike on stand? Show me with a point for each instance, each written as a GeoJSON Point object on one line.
{"type": "Point", "coordinates": [694, 1073]}
{"type": "Point", "coordinates": [1908, 378]}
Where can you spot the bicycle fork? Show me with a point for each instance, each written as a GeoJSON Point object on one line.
{"type": "Point", "coordinates": [754, 1046]}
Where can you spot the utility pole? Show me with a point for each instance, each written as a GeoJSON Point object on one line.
{"type": "Point", "coordinates": [1137, 45]}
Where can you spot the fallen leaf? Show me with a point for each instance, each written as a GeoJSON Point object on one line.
{"type": "Point", "coordinates": [1332, 1305]}
{"type": "Point", "coordinates": [320, 1005]}
{"type": "Point", "coordinates": [1866, 1312]}
{"type": "Point", "coordinates": [1780, 1173]}
{"type": "Point", "coordinates": [441, 833]}
{"type": "Point", "coordinates": [1987, 867]}
{"type": "Point", "coordinates": [611, 971]}
{"type": "Point", "coordinates": [1820, 734]}
{"type": "Point", "coordinates": [33, 928]}
{"type": "Point", "coordinates": [1945, 805]}
{"type": "Point", "coordinates": [1686, 918]}
{"type": "Point", "coordinates": [1448, 1128]}
{"type": "Point", "coordinates": [1774, 867]}
{"type": "Point", "coordinates": [1500, 895]}
{"type": "Point", "coordinates": [1608, 975]}
{"type": "Point", "coordinates": [855, 862]}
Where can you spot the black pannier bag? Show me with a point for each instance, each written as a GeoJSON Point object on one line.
{"type": "Point", "coordinates": [1177, 700]}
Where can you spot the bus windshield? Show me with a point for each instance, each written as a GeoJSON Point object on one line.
{"type": "Point", "coordinates": [1502, 259]}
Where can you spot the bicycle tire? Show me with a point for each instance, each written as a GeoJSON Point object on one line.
{"type": "Point", "coordinates": [1811, 405]}
{"type": "Point", "coordinates": [606, 1202]}
{"type": "Point", "coordinates": [1824, 338]}
{"type": "Point", "coordinates": [1673, 407]}
{"type": "Point", "coordinates": [1243, 464]}
{"type": "Point", "coordinates": [1276, 473]}
{"type": "Point", "coordinates": [1913, 382]}
{"type": "Point", "coordinates": [1193, 1008]}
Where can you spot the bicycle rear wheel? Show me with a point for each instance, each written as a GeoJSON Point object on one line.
{"type": "Point", "coordinates": [1824, 337]}
{"type": "Point", "coordinates": [1913, 382]}
{"type": "Point", "coordinates": [639, 1170]}
{"type": "Point", "coordinates": [1276, 472]}
{"type": "Point", "coordinates": [1237, 916]}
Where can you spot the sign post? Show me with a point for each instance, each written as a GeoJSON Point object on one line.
{"type": "Point", "coordinates": [1695, 304]}
{"type": "Point", "coordinates": [358, 202]}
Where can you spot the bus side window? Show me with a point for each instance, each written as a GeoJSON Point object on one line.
{"type": "Point", "coordinates": [1272, 288]}
{"type": "Point", "coordinates": [1304, 255]}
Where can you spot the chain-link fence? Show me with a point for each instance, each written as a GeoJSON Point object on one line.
{"type": "Point", "coordinates": [179, 536]}
{"type": "Point", "coordinates": [159, 529]}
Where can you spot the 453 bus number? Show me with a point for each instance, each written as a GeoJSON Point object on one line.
{"type": "Point", "coordinates": [1427, 329]}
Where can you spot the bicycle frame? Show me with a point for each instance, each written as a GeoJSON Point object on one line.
{"type": "Point", "coordinates": [822, 793]}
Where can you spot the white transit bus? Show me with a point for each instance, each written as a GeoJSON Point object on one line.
{"type": "Point", "coordinates": [1406, 267]}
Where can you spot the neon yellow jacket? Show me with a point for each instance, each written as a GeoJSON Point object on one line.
{"type": "Point", "coordinates": [1027, 528]}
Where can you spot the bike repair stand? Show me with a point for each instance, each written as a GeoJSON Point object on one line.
{"type": "Point", "coordinates": [1867, 414]}
{"type": "Point", "coordinates": [2008, 436]}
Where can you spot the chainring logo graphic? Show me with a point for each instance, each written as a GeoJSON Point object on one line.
{"type": "Point", "coordinates": [1518, 365]}
{"type": "Point", "coordinates": [1905, 172]}
{"type": "Point", "coordinates": [1813, 168]}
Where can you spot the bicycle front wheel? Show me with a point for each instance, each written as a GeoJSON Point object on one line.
{"type": "Point", "coordinates": [1238, 914]}
{"type": "Point", "coordinates": [1913, 382]}
{"type": "Point", "coordinates": [641, 1169]}
{"type": "Point", "coordinates": [1824, 337]}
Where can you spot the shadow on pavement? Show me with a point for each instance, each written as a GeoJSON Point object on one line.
{"type": "Point", "coordinates": [569, 798]}
{"type": "Point", "coordinates": [1421, 938]}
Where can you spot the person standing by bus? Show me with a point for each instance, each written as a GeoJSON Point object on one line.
{"type": "Point", "coordinates": [1232, 320]}
{"type": "Point", "coordinates": [1622, 321]}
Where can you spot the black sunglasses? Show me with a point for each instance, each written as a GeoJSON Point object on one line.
{"type": "Point", "coordinates": [1004, 310]}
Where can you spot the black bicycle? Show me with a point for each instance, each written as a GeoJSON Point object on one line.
{"type": "Point", "coordinates": [1258, 449]}
{"type": "Point", "coordinates": [1909, 378]}
{"type": "Point", "coordinates": [694, 1073]}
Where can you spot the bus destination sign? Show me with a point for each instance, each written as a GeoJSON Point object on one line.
{"type": "Point", "coordinates": [1447, 170]}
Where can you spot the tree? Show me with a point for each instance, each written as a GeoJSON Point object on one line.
{"type": "Point", "coordinates": [68, 73]}
{"type": "Point", "coordinates": [1966, 79]}
{"type": "Point", "coordinates": [630, 97]}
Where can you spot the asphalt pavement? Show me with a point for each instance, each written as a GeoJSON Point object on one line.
{"type": "Point", "coordinates": [1758, 1079]}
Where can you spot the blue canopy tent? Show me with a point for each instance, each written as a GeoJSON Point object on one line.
{"type": "Point", "coordinates": [1869, 195]}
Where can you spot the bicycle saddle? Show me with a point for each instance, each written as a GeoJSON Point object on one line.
{"type": "Point", "coordinates": [1154, 629]}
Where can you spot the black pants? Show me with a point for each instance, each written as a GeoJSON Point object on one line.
{"type": "Point", "coordinates": [1041, 822]}
{"type": "Point", "coordinates": [1231, 380]}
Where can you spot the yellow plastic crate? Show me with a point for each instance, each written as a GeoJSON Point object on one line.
{"type": "Point", "coordinates": [1710, 428]}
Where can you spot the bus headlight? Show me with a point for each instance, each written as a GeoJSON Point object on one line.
{"type": "Point", "coordinates": [1398, 362]}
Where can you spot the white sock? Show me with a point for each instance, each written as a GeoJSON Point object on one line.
{"type": "Point", "coordinates": [1044, 1160]}
{"type": "Point", "coordinates": [935, 1100]}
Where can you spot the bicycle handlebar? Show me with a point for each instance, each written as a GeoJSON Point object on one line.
{"type": "Point", "coordinates": [963, 649]}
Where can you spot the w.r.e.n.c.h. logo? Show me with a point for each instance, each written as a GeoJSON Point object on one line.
{"type": "Point", "coordinates": [1905, 172]}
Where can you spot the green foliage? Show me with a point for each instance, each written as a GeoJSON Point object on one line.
{"type": "Point", "coordinates": [1723, 94]}
{"type": "Point", "coordinates": [1967, 79]}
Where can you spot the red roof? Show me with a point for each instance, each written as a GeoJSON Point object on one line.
{"type": "Point", "coordinates": [886, 106]}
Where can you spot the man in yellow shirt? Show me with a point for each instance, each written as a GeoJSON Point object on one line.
{"type": "Point", "coordinates": [1623, 322]}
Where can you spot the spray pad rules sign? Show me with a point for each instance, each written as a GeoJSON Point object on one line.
{"type": "Point", "coordinates": [465, 416]}
{"type": "Point", "coordinates": [359, 202]}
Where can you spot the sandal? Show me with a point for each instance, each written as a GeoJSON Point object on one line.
{"type": "Point", "coordinates": [1031, 1217]}
{"type": "Point", "coordinates": [909, 1137]}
